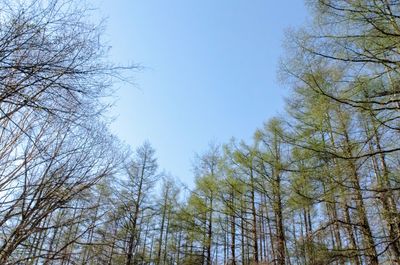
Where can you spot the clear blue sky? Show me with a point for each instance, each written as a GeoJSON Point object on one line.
{"type": "Point", "coordinates": [210, 71]}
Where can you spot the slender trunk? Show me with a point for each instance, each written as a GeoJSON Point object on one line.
{"type": "Point", "coordinates": [209, 233]}
{"type": "Point", "coordinates": [271, 237]}
{"type": "Point", "coordinates": [368, 239]}
{"type": "Point", "coordinates": [279, 225]}
{"type": "Point", "coordinates": [133, 221]}
{"type": "Point", "coordinates": [254, 217]}
{"type": "Point", "coordinates": [233, 238]}
{"type": "Point", "coordinates": [390, 212]}
{"type": "Point", "coordinates": [242, 216]}
{"type": "Point", "coordinates": [179, 248]}
{"type": "Point", "coordinates": [166, 237]}
{"type": "Point", "coordinates": [160, 241]}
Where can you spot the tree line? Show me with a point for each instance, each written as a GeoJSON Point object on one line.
{"type": "Point", "coordinates": [317, 185]}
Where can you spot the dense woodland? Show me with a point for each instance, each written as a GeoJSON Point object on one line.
{"type": "Point", "coordinates": [319, 184]}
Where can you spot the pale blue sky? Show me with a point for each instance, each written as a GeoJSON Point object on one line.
{"type": "Point", "coordinates": [210, 71]}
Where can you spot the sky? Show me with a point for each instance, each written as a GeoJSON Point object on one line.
{"type": "Point", "coordinates": [208, 71]}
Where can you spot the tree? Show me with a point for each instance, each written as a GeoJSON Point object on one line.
{"type": "Point", "coordinates": [55, 144]}
{"type": "Point", "coordinates": [134, 193]}
{"type": "Point", "coordinates": [206, 171]}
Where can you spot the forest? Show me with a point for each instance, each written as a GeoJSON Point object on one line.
{"type": "Point", "coordinates": [317, 185]}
